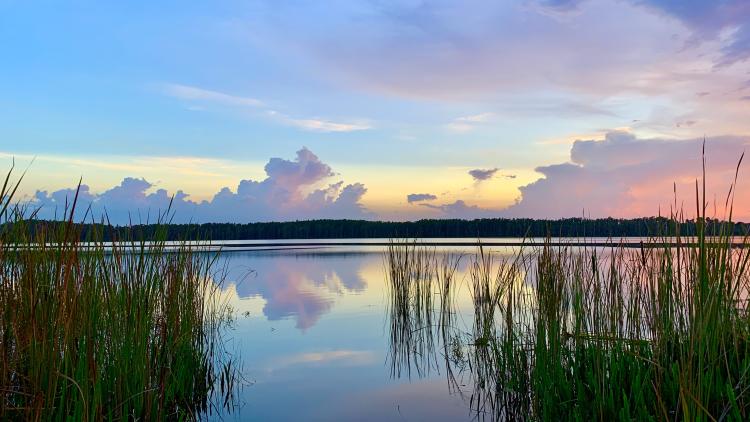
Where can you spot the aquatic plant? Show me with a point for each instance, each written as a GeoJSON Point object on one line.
{"type": "Point", "coordinates": [89, 330]}
{"type": "Point", "coordinates": [660, 332]}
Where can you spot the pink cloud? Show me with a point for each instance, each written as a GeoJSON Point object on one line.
{"type": "Point", "coordinates": [623, 176]}
{"type": "Point", "coordinates": [304, 291]}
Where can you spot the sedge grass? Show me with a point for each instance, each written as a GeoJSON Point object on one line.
{"type": "Point", "coordinates": [124, 331]}
{"type": "Point", "coordinates": [660, 332]}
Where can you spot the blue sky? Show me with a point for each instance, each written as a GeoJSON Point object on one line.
{"type": "Point", "coordinates": [394, 97]}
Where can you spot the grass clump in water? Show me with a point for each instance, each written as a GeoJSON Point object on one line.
{"type": "Point", "coordinates": [660, 332]}
{"type": "Point", "coordinates": [95, 331]}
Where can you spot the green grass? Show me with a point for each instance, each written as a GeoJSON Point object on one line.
{"type": "Point", "coordinates": [123, 331]}
{"type": "Point", "coordinates": [569, 333]}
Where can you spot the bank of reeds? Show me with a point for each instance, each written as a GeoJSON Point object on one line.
{"type": "Point", "coordinates": [660, 332]}
{"type": "Point", "coordinates": [420, 305]}
{"type": "Point", "coordinates": [123, 331]}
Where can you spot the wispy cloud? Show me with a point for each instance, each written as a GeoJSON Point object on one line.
{"type": "Point", "coordinates": [191, 93]}
{"type": "Point", "coordinates": [468, 123]}
{"type": "Point", "coordinates": [319, 125]}
{"type": "Point", "coordinates": [195, 94]}
{"type": "Point", "coordinates": [316, 125]}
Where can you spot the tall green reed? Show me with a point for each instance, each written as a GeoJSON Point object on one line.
{"type": "Point", "coordinates": [107, 331]}
{"type": "Point", "coordinates": [660, 332]}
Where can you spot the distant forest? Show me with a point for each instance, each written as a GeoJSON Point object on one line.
{"type": "Point", "coordinates": [343, 229]}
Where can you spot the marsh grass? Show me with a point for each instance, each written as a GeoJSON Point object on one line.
{"type": "Point", "coordinates": [660, 332]}
{"type": "Point", "coordinates": [127, 330]}
{"type": "Point", "coordinates": [420, 305]}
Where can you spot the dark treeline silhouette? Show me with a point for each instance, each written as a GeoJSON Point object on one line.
{"type": "Point", "coordinates": [343, 229]}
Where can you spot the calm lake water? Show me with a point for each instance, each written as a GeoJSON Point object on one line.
{"type": "Point", "coordinates": [313, 338]}
{"type": "Point", "coordinates": [312, 334]}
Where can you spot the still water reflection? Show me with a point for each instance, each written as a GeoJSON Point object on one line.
{"type": "Point", "coordinates": [312, 335]}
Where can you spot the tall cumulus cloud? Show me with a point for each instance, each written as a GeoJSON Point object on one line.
{"type": "Point", "coordinates": [292, 189]}
{"type": "Point", "coordinates": [624, 176]}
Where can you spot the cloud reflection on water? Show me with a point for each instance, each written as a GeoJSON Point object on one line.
{"type": "Point", "coordinates": [340, 357]}
{"type": "Point", "coordinates": [304, 287]}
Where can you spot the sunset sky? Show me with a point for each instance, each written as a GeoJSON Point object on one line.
{"type": "Point", "coordinates": [285, 109]}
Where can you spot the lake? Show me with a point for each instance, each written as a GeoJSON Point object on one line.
{"type": "Point", "coordinates": [315, 327]}
{"type": "Point", "coordinates": [312, 334]}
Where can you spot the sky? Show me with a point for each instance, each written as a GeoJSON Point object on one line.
{"type": "Point", "coordinates": [245, 111]}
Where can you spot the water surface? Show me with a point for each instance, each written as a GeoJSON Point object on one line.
{"type": "Point", "coordinates": [312, 334]}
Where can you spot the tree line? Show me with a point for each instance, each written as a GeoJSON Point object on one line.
{"type": "Point", "coordinates": [451, 228]}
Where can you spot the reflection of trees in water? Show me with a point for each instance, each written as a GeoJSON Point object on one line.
{"type": "Point", "coordinates": [296, 285]}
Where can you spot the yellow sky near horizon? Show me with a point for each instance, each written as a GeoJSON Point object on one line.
{"type": "Point", "coordinates": [201, 178]}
